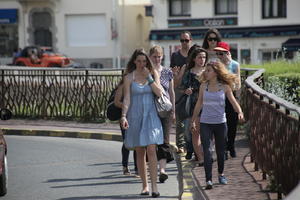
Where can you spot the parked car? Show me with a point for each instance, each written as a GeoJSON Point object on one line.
{"type": "Point", "coordinates": [34, 56]}
{"type": "Point", "coordinates": [5, 114]}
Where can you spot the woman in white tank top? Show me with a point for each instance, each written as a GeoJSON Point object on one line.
{"type": "Point", "coordinates": [218, 83]}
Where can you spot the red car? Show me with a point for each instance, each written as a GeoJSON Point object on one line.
{"type": "Point", "coordinates": [34, 56]}
{"type": "Point", "coordinates": [5, 114]}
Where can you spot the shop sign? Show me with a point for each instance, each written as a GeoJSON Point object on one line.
{"type": "Point", "coordinates": [203, 22]}
{"type": "Point", "coordinates": [8, 16]}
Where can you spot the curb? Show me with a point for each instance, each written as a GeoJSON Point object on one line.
{"type": "Point", "coordinates": [190, 186]}
{"type": "Point", "coordinates": [60, 133]}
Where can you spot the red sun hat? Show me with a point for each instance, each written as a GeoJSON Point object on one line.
{"type": "Point", "coordinates": [222, 46]}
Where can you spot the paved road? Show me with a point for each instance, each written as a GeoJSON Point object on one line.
{"type": "Point", "coordinates": [44, 168]}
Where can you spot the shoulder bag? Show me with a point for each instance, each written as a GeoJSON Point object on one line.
{"type": "Point", "coordinates": [163, 105]}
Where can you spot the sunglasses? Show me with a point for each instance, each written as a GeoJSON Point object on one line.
{"type": "Point", "coordinates": [221, 53]}
{"type": "Point", "coordinates": [184, 40]}
{"type": "Point", "coordinates": [212, 39]}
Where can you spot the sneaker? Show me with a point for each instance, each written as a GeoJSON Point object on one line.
{"type": "Point", "coordinates": [223, 180]}
{"type": "Point", "coordinates": [126, 171]}
{"type": "Point", "coordinates": [209, 185]}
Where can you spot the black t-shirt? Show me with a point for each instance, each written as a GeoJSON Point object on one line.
{"type": "Point", "coordinates": [177, 59]}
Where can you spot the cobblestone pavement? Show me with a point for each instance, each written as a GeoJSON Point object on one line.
{"type": "Point", "coordinates": [241, 185]}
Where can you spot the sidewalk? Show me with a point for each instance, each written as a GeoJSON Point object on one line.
{"type": "Point", "coordinates": [241, 184]}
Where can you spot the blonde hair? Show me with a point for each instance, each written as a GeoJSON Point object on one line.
{"type": "Point", "coordinates": [156, 49]}
{"type": "Point", "coordinates": [223, 75]}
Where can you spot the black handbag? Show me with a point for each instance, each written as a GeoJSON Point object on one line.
{"type": "Point", "coordinates": [113, 112]}
{"type": "Point", "coordinates": [183, 107]}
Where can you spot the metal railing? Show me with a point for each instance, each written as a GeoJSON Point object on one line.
{"type": "Point", "coordinates": [274, 134]}
{"type": "Point", "coordinates": [75, 94]}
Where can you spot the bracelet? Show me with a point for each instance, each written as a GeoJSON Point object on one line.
{"type": "Point", "coordinates": [150, 79]}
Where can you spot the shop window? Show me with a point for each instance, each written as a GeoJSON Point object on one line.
{"type": "Point", "coordinates": [179, 8]}
{"type": "Point", "coordinates": [273, 8]}
{"type": "Point", "coordinates": [8, 39]}
{"type": "Point", "coordinates": [245, 56]}
{"type": "Point", "coordinates": [234, 54]}
{"type": "Point", "coordinates": [224, 7]}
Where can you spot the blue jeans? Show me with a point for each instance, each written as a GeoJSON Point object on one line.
{"type": "Point", "coordinates": [219, 131]}
{"type": "Point", "coordinates": [125, 153]}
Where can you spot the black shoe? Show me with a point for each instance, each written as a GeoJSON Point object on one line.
{"type": "Point", "coordinates": [163, 177]}
{"type": "Point", "coordinates": [232, 153]}
{"type": "Point", "coordinates": [144, 193]}
{"type": "Point", "coordinates": [155, 194]}
{"type": "Point", "coordinates": [189, 155]}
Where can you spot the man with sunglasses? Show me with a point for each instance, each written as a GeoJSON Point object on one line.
{"type": "Point", "coordinates": [223, 53]}
{"type": "Point", "coordinates": [178, 62]}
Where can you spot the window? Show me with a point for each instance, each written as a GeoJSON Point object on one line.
{"type": "Point", "coordinates": [180, 7]}
{"type": "Point", "coordinates": [86, 30]}
{"type": "Point", "coordinates": [223, 7]}
{"type": "Point", "coordinates": [43, 37]}
{"type": "Point", "coordinates": [274, 8]}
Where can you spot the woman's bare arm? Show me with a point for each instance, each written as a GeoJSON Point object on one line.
{"type": "Point", "coordinates": [119, 96]}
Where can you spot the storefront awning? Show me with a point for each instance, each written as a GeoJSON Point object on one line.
{"type": "Point", "coordinates": [8, 16]}
{"type": "Point", "coordinates": [233, 32]}
{"type": "Point", "coordinates": [292, 44]}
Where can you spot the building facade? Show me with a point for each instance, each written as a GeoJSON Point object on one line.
{"type": "Point", "coordinates": [256, 30]}
{"type": "Point", "coordinates": [104, 32]}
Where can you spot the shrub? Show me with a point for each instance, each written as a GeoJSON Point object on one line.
{"type": "Point", "coordinates": [282, 79]}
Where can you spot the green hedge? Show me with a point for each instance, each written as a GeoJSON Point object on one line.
{"type": "Point", "coordinates": [282, 79]}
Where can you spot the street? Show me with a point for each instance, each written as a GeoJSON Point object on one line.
{"type": "Point", "coordinates": [42, 168]}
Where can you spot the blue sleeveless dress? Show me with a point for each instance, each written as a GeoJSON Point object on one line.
{"type": "Point", "coordinates": [144, 124]}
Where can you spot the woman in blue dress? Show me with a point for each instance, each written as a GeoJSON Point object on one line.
{"type": "Point", "coordinates": [139, 116]}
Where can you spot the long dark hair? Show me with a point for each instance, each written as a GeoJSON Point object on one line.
{"type": "Point", "coordinates": [131, 65]}
{"type": "Point", "coordinates": [193, 55]}
{"type": "Point", "coordinates": [205, 44]}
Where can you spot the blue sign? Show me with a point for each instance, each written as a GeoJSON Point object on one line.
{"type": "Point", "coordinates": [8, 16]}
